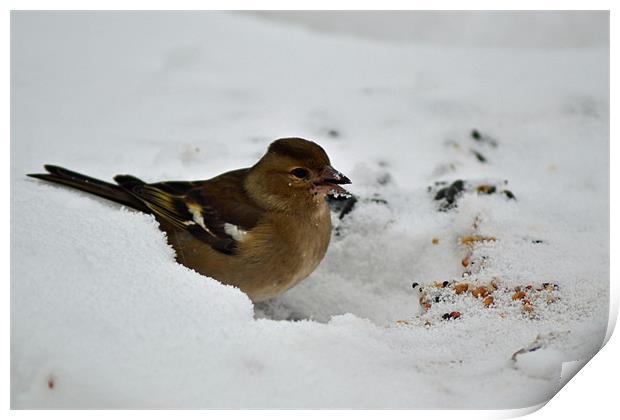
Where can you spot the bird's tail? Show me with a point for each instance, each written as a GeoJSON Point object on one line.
{"type": "Point", "coordinates": [85, 183]}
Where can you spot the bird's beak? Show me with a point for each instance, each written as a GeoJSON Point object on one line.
{"type": "Point", "coordinates": [329, 182]}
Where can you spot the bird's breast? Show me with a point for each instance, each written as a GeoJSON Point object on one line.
{"type": "Point", "coordinates": [309, 241]}
{"type": "Point", "coordinates": [288, 249]}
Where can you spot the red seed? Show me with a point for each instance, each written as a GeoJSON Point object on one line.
{"type": "Point", "coordinates": [466, 261]}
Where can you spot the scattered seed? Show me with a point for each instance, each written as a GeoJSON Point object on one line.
{"type": "Point", "coordinates": [455, 314]}
{"type": "Point", "coordinates": [342, 205]}
{"type": "Point", "coordinates": [466, 261]}
{"type": "Point", "coordinates": [488, 301]}
{"type": "Point", "coordinates": [461, 288]}
{"type": "Point", "coordinates": [378, 200]}
{"type": "Point", "coordinates": [435, 241]}
{"type": "Point", "coordinates": [479, 292]}
{"type": "Point", "coordinates": [479, 156]}
{"type": "Point", "coordinates": [518, 295]}
{"type": "Point", "coordinates": [472, 239]}
{"type": "Point", "coordinates": [482, 138]}
{"type": "Point", "coordinates": [509, 194]}
{"type": "Point", "coordinates": [450, 194]}
{"type": "Point", "coordinates": [486, 189]}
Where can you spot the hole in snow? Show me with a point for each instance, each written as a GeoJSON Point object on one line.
{"type": "Point", "coordinates": [370, 267]}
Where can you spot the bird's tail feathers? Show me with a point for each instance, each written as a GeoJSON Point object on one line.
{"type": "Point", "coordinates": [128, 182]}
{"type": "Point", "coordinates": [116, 193]}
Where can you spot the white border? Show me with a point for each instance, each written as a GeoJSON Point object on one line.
{"type": "Point", "coordinates": [308, 5]}
{"type": "Point", "coordinates": [591, 394]}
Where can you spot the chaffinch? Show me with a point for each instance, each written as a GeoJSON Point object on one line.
{"type": "Point", "coordinates": [262, 229]}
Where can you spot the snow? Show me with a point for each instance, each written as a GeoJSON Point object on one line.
{"type": "Point", "coordinates": [103, 317]}
{"type": "Point", "coordinates": [543, 364]}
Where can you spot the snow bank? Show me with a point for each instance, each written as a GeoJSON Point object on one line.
{"type": "Point", "coordinates": [102, 316]}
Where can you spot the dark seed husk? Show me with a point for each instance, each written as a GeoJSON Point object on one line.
{"type": "Point", "coordinates": [509, 194]}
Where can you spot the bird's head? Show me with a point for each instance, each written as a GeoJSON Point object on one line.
{"type": "Point", "coordinates": [293, 175]}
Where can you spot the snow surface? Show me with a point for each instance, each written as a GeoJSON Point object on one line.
{"type": "Point", "coordinates": [103, 317]}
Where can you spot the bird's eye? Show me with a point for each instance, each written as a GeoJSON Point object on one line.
{"type": "Point", "coordinates": [300, 172]}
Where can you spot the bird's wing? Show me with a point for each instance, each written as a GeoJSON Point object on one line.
{"type": "Point", "coordinates": [216, 211]}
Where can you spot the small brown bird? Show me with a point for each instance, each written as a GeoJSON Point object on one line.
{"type": "Point", "coordinates": [262, 229]}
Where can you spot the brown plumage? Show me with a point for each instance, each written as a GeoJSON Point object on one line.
{"type": "Point", "coordinates": [262, 229]}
